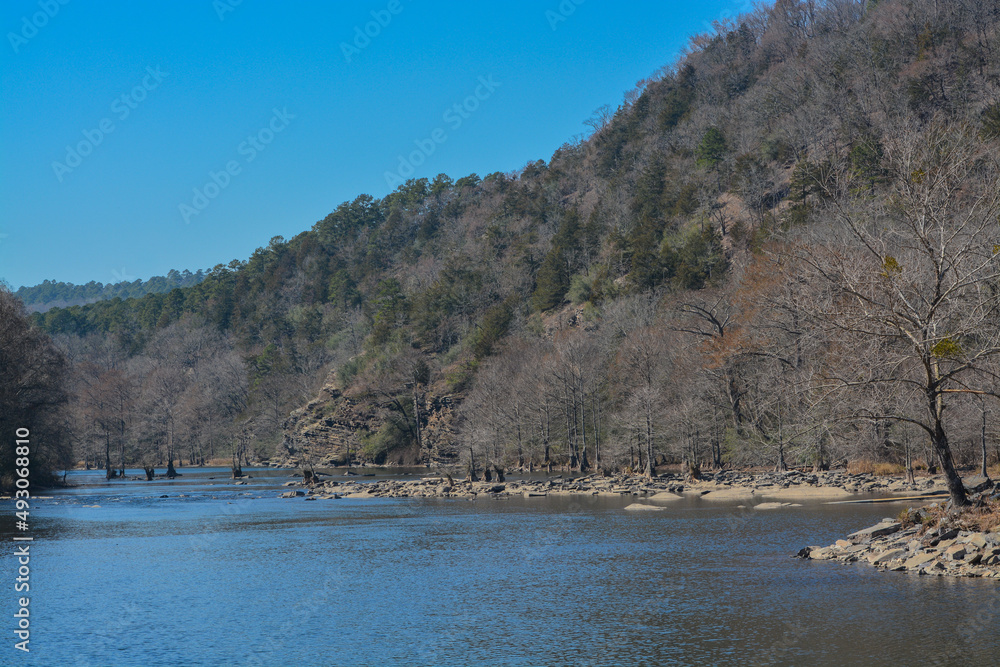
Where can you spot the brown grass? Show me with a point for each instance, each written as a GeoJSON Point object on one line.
{"type": "Point", "coordinates": [982, 519]}
{"type": "Point", "coordinates": [864, 466]}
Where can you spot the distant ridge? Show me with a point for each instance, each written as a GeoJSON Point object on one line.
{"type": "Point", "coordinates": [52, 294]}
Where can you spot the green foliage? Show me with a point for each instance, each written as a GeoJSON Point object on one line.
{"type": "Point", "coordinates": [891, 267]}
{"type": "Point", "coordinates": [697, 261]}
{"type": "Point", "coordinates": [712, 149]}
{"type": "Point", "coordinates": [408, 196]}
{"type": "Point", "coordinates": [458, 379]}
{"type": "Point", "coordinates": [441, 183]}
{"type": "Point", "coordinates": [808, 180]}
{"type": "Point", "coordinates": [866, 163]}
{"type": "Point", "coordinates": [679, 100]}
{"type": "Point", "coordinates": [560, 262]}
{"type": "Point", "coordinates": [646, 266]}
{"type": "Point", "coordinates": [393, 435]}
{"type": "Point", "coordinates": [492, 328]}
{"type": "Point", "coordinates": [991, 122]}
{"type": "Point", "coordinates": [947, 348]}
{"type": "Point", "coordinates": [777, 150]}
{"type": "Point", "coordinates": [350, 370]}
{"type": "Point", "coordinates": [347, 220]}
{"type": "Point", "coordinates": [390, 311]}
{"type": "Point", "coordinates": [343, 291]}
{"type": "Point", "coordinates": [50, 293]}
{"type": "Point", "coordinates": [551, 282]}
{"type": "Point", "coordinates": [580, 289]}
{"type": "Point", "coordinates": [470, 181]}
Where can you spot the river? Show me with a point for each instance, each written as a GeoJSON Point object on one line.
{"type": "Point", "coordinates": [218, 574]}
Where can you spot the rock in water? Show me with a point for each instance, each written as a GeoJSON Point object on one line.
{"type": "Point", "coordinates": [666, 495]}
{"type": "Point", "coordinates": [647, 508]}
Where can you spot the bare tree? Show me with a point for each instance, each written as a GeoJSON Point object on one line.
{"type": "Point", "coordinates": [915, 275]}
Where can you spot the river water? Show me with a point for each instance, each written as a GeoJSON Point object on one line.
{"type": "Point", "coordinates": [218, 574]}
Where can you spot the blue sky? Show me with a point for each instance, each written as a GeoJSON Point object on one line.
{"type": "Point", "coordinates": [113, 114]}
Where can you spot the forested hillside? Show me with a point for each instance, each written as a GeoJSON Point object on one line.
{"type": "Point", "coordinates": [51, 294]}
{"type": "Point", "coordinates": [780, 249]}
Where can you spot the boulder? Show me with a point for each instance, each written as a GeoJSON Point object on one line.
{"type": "Point", "coordinates": [886, 556]}
{"type": "Point", "coordinates": [645, 508]}
{"type": "Point", "coordinates": [822, 554]}
{"type": "Point", "coordinates": [292, 494]}
{"type": "Point", "coordinates": [878, 530]}
{"type": "Point", "coordinates": [919, 559]}
{"type": "Point", "coordinates": [977, 540]}
{"type": "Point", "coordinates": [955, 552]}
{"type": "Point", "coordinates": [774, 506]}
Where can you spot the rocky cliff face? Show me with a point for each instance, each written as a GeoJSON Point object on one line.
{"type": "Point", "coordinates": [334, 426]}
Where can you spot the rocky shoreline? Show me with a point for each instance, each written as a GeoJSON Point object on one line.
{"type": "Point", "coordinates": [887, 546]}
{"type": "Point", "coordinates": [722, 486]}
{"type": "Point", "coordinates": [932, 540]}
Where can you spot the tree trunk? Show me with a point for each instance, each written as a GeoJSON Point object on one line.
{"type": "Point", "coordinates": [472, 466]}
{"type": "Point", "coordinates": [983, 471]}
{"type": "Point", "coordinates": [150, 472]}
{"type": "Point", "coordinates": [109, 473]}
{"type": "Point", "coordinates": [955, 486]}
{"type": "Point", "coordinates": [649, 446]}
{"type": "Point", "coordinates": [910, 479]}
{"type": "Point", "coordinates": [416, 420]}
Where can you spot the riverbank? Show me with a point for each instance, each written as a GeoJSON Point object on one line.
{"type": "Point", "coordinates": [932, 540]}
{"type": "Point", "coordinates": [724, 486]}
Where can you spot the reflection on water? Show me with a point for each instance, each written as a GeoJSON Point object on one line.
{"type": "Point", "coordinates": [218, 574]}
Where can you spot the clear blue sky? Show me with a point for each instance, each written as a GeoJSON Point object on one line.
{"type": "Point", "coordinates": [196, 87]}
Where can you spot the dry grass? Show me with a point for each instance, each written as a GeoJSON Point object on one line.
{"type": "Point", "coordinates": [864, 466]}
{"type": "Point", "coordinates": [983, 518]}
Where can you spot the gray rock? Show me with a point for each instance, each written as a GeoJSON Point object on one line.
{"type": "Point", "coordinates": [919, 559]}
{"type": "Point", "coordinates": [645, 508]}
{"type": "Point", "coordinates": [878, 530]}
{"type": "Point", "coordinates": [886, 556]}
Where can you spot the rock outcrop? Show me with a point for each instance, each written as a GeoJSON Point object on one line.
{"type": "Point", "coordinates": [929, 543]}
{"type": "Point", "coordinates": [330, 428]}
